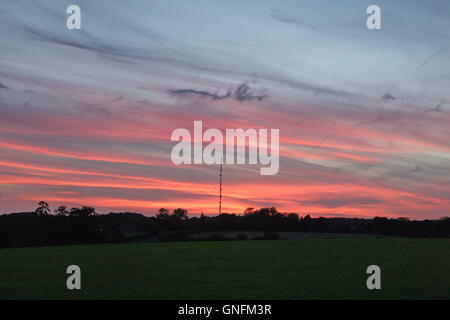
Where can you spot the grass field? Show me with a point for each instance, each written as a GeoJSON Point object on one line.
{"type": "Point", "coordinates": [292, 269]}
{"type": "Point", "coordinates": [290, 235]}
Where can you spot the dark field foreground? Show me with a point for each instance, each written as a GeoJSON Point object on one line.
{"type": "Point", "coordinates": [294, 269]}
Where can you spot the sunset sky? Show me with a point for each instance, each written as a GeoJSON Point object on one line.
{"type": "Point", "coordinates": [364, 115]}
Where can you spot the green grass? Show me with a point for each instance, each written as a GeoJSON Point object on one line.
{"type": "Point", "coordinates": [294, 269]}
{"type": "Point", "coordinates": [291, 235]}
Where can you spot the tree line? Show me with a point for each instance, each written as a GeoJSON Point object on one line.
{"type": "Point", "coordinates": [83, 225]}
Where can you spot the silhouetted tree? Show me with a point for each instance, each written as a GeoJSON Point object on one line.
{"type": "Point", "coordinates": [249, 211]}
{"type": "Point", "coordinates": [61, 211]}
{"type": "Point", "coordinates": [180, 214]}
{"type": "Point", "coordinates": [162, 212]}
{"type": "Point", "coordinates": [43, 209]}
{"type": "Point", "coordinates": [83, 225]}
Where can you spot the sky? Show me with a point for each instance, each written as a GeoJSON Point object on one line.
{"type": "Point", "coordinates": [86, 115]}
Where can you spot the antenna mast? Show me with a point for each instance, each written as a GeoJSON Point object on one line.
{"type": "Point", "coordinates": [220, 187]}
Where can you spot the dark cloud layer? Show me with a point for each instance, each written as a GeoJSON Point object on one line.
{"type": "Point", "coordinates": [241, 93]}
{"type": "Point", "coordinates": [388, 96]}
{"type": "Point", "coordinates": [2, 86]}
{"type": "Point", "coordinates": [297, 84]}
{"type": "Point", "coordinates": [281, 17]}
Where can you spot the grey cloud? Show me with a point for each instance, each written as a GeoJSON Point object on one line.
{"type": "Point", "coordinates": [90, 108]}
{"type": "Point", "coordinates": [97, 47]}
{"type": "Point", "coordinates": [241, 93]}
{"type": "Point", "coordinates": [435, 55]}
{"type": "Point", "coordinates": [2, 86]}
{"type": "Point", "coordinates": [436, 108]}
{"type": "Point", "coordinates": [388, 96]}
{"type": "Point", "coordinates": [296, 84]}
{"type": "Point", "coordinates": [201, 93]}
{"type": "Point", "coordinates": [281, 17]}
{"type": "Point", "coordinates": [350, 129]}
{"type": "Point", "coordinates": [132, 194]}
{"type": "Point", "coordinates": [86, 41]}
{"type": "Point", "coordinates": [336, 203]}
{"type": "Point", "coordinates": [162, 53]}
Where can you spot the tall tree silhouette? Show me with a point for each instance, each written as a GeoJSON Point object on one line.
{"type": "Point", "coordinates": [43, 209]}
